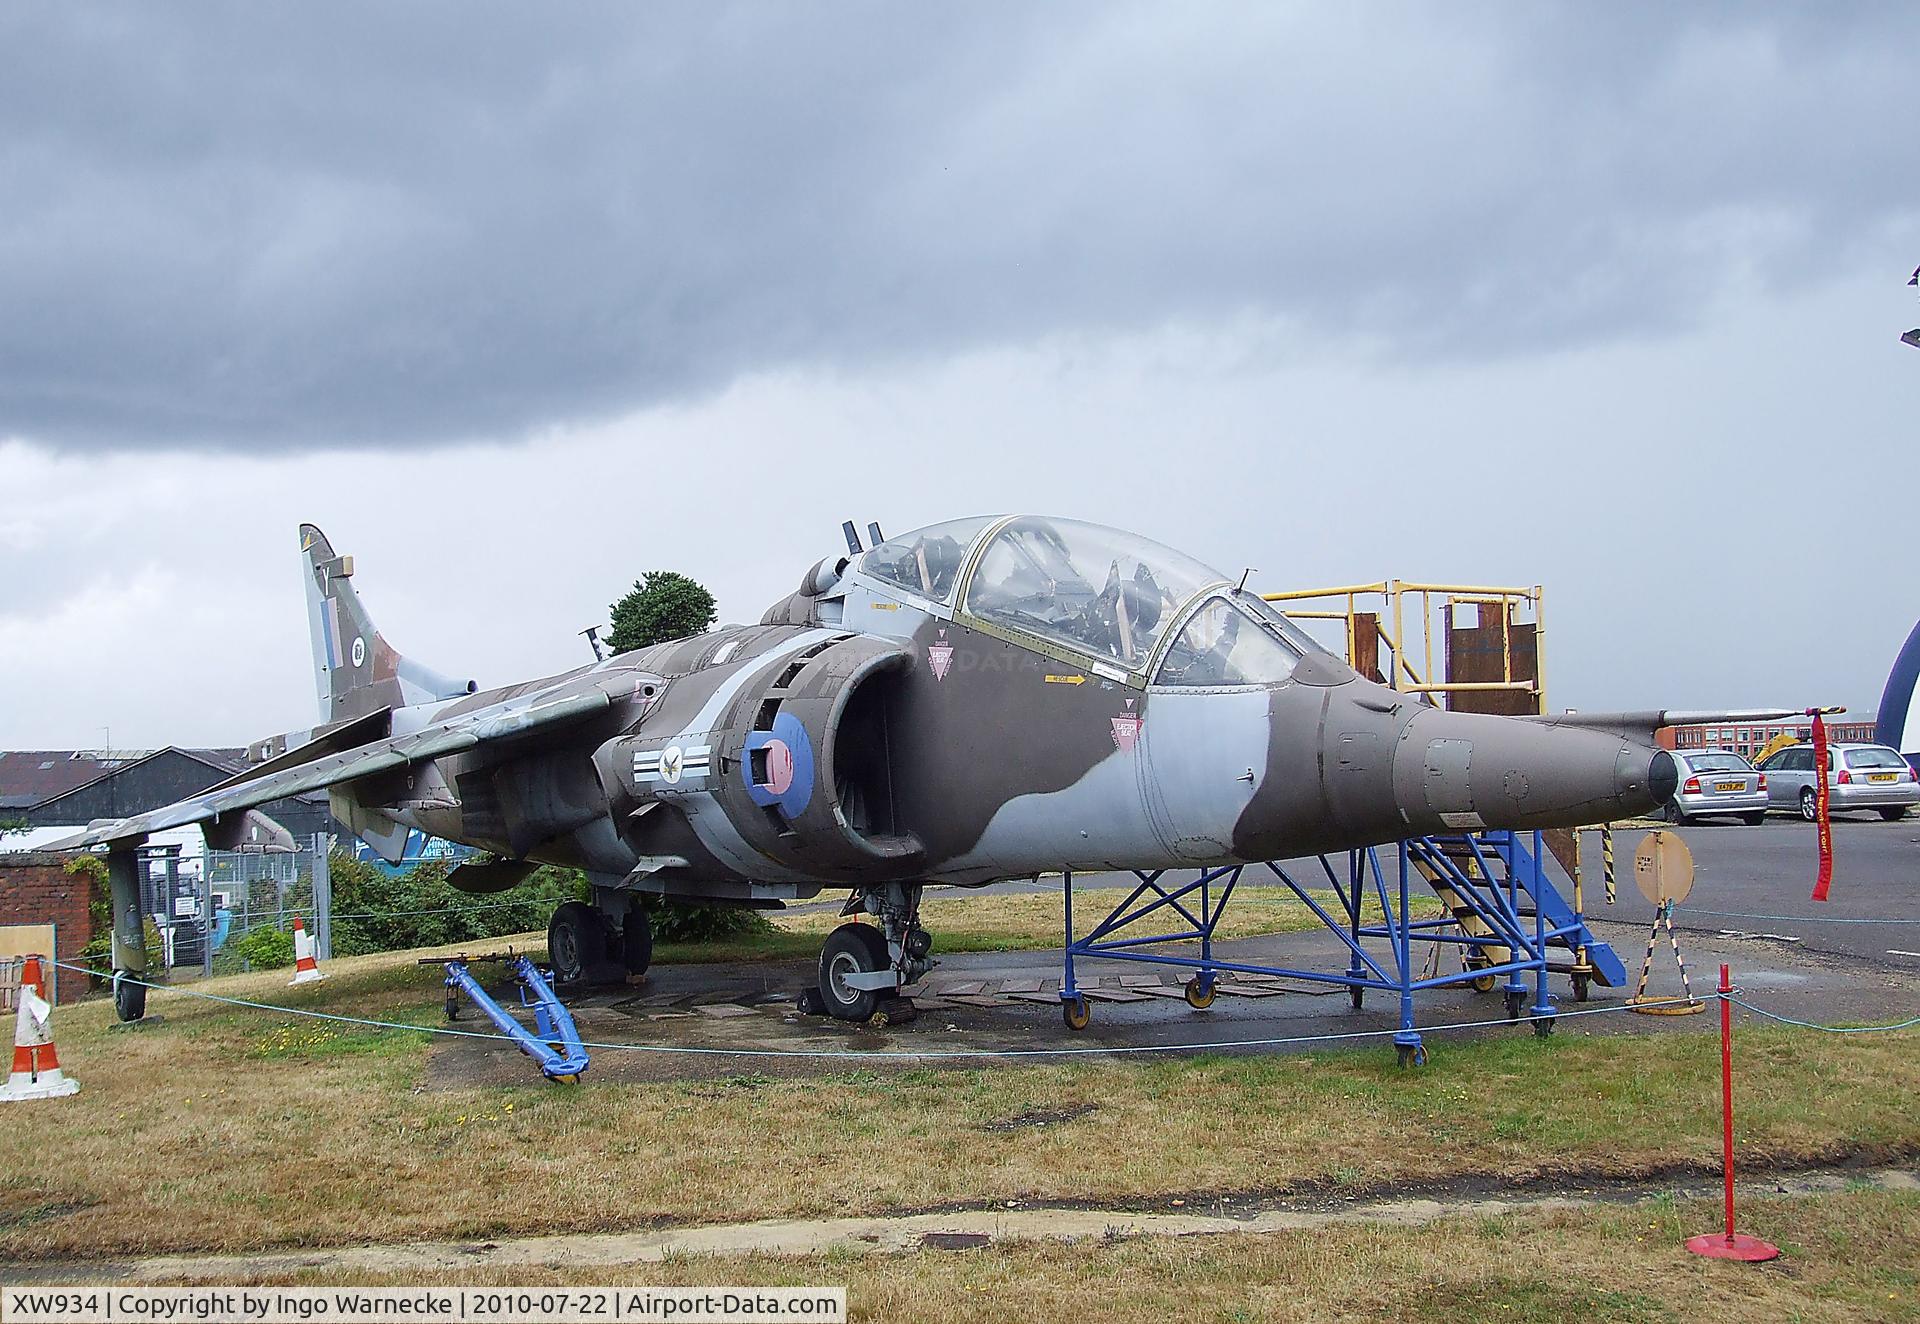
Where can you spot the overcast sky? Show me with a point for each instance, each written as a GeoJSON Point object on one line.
{"type": "Point", "coordinates": [519, 301]}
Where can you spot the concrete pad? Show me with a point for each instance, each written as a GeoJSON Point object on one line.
{"type": "Point", "coordinates": [726, 1009]}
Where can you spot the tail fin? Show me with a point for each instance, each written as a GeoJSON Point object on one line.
{"type": "Point", "coordinates": [1898, 723]}
{"type": "Point", "coordinates": [355, 670]}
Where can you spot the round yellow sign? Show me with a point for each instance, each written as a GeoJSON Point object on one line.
{"type": "Point", "coordinates": [1663, 867]}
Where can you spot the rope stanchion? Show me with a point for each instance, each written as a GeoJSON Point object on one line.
{"type": "Point", "coordinates": [1728, 1244]}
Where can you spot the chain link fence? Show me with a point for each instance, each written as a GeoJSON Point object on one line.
{"type": "Point", "coordinates": [221, 912]}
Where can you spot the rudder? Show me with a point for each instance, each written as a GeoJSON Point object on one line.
{"type": "Point", "coordinates": [356, 671]}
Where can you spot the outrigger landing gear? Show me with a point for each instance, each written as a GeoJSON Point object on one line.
{"type": "Point", "coordinates": [864, 967]}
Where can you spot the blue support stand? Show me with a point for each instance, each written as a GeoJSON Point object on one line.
{"type": "Point", "coordinates": [1506, 918]}
{"type": "Point", "coordinates": [555, 1045]}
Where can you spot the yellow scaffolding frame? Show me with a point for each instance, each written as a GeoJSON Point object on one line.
{"type": "Point", "coordinates": [1393, 595]}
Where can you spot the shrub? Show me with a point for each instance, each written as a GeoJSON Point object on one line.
{"type": "Point", "coordinates": [264, 948]}
{"type": "Point", "coordinates": [692, 921]}
{"type": "Point", "coordinates": [376, 911]}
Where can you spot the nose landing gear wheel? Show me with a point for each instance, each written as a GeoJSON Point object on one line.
{"type": "Point", "coordinates": [851, 949]}
{"type": "Point", "coordinates": [1199, 993]}
{"type": "Point", "coordinates": [1076, 1012]}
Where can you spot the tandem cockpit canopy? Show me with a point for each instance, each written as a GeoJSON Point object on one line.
{"type": "Point", "coordinates": [1095, 590]}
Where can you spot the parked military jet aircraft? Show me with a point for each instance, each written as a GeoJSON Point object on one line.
{"type": "Point", "coordinates": [979, 700]}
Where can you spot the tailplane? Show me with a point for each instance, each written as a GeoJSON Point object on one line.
{"type": "Point", "coordinates": [356, 671]}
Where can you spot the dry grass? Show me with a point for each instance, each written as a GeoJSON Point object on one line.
{"type": "Point", "coordinates": [221, 1128]}
{"type": "Point", "coordinates": [1849, 1258]}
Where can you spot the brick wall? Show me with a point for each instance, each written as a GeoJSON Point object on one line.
{"type": "Point", "coordinates": [35, 888]}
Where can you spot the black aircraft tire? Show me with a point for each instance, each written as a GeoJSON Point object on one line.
{"type": "Point", "coordinates": [575, 936]}
{"type": "Point", "coordinates": [129, 999]}
{"type": "Point", "coordinates": [854, 948]}
{"type": "Point", "coordinates": [636, 942]}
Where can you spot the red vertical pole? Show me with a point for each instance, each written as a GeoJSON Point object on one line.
{"type": "Point", "coordinates": [1726, 1245]}
{"type": "Point", "coordinates": [1726, 1090]}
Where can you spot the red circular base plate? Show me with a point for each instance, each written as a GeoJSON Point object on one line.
{"type": "Point", "coordinates": [1740, 1246]}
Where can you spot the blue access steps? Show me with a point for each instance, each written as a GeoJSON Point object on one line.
{"type": "Point", "coordinates": [1507, 881]}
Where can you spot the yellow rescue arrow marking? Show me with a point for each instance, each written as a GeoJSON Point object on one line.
{"type": "Point", "coordinates": [1066, 680]}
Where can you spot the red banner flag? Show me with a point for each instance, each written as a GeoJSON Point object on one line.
{"type": "Point", "coordinates": [1823, 824]}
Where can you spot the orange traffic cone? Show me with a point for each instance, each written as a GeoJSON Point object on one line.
{"type": "Point", "coordinates": [36, 1067]}
{"type": "Point", "coordinates": [305, 968]}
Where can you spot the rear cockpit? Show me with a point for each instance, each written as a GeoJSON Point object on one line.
{"type": "Point", "coordinates": [1130, 608]}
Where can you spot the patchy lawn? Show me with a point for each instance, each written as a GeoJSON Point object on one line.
{"type": "Point", "coordinates": [232, 1128]}
{"type": "Point", "coordinates": [1849, 1258]}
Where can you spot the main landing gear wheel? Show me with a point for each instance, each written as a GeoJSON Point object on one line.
{"type": "Point", "coordinates": [129, 998]}
{"type": "Point", "coordinates": [851, 949]}
{"type": "Point", "coordinates": [573, 937]}
{"type": "Point", "coordinates": [1075, 1012]}
{"type": "Point", "coordinates": [1199, 993]}
{"type": "Point", "coordinates": [1809, 810]}
{"type": "Point", "coordinates": [636, 942]}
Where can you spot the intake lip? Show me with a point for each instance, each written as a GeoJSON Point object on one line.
{"type": "Point", "coordinates": [1663, 777]}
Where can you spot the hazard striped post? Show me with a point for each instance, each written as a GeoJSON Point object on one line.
{"type": "Point", "coordinates": [305, 969]}
{"type": "Point", "coordinates": [36, 1070]}
{"type": "Point", "coordinates": [1606, 859]}
{"type": "Point", "coordinates": [1728, 1244]}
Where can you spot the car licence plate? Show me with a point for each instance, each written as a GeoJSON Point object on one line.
{"type": "Point", "coordinates": [1882, 776]}
{"type": "Point", "coordinates": [1729, 786]}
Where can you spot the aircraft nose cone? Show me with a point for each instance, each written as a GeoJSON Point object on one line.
{"type": "Point", "coordinates": [1663, 778]}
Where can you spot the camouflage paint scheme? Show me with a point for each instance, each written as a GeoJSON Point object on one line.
{"type": "Point", "coordinates": [872, 737]}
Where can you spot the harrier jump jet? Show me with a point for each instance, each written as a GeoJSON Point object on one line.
{"type": "Point", "coordinates": [979, 700]}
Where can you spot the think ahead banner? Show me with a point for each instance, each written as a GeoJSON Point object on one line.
{"type": "Point", "coordinates": [453, 1305]}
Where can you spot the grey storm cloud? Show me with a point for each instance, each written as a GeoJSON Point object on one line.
{"type": "Point", "coordinates": [294, 226]}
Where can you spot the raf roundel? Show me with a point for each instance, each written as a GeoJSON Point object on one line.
{"type": "Point", "coordinates": [778, 768]}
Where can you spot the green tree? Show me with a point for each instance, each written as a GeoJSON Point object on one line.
{"type": "Point", "coordinates": [663, 605]}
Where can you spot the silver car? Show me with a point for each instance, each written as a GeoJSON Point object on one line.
{"type": "Point", "coordinates": [1858, 777]}
{"type": "Point", "coordinates": [1716, 782]}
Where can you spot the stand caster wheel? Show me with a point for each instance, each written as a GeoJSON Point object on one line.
{"type": "Point", "coordinates": [1358, 997]}
{"type": "Point", "coordinates": [1075, 1012]}
{"type": "Point", "coordinates": [452, 1008]}
{"type": "Point", "coordinates": [808, 1002]}
{"type": "Point", "coordinates": [1543, 1027]}
{"type": "Point", "coordinates": [1411, 1055]}
{"type": "Point", "coordinates": [1516, 1002]}
{"type": "Point", "coordinates": [1582, 985]}
{"type": "Point", "coordinates": [1199, 993]}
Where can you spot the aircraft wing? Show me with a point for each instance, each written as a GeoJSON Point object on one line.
{"type": "Point", "coordinates": [1645, 722]}
{"type": "Point", "coordinates": [468, 731]}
